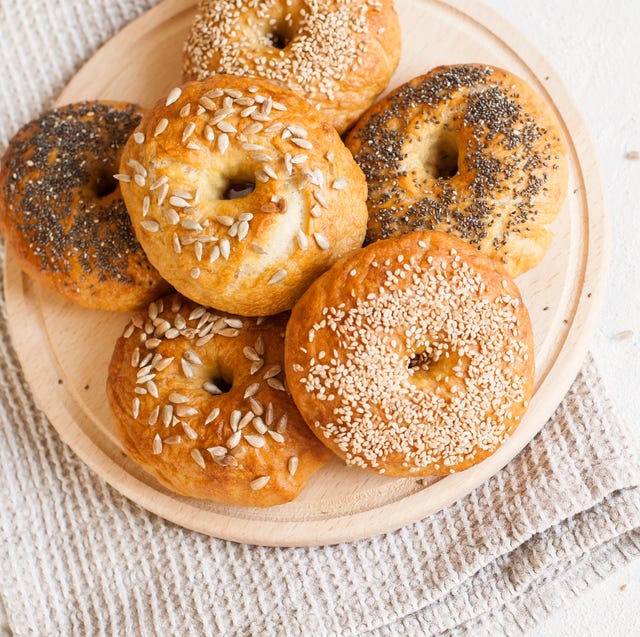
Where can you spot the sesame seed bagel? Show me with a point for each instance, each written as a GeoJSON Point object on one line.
{"type": "Point", "coordinates": [412, 357]}
{"type": "Point", "coordinates": [241, 195]}
{"type": "Point", "coordinates": [338, 54]}
{"type": "Point", "coordinates": [200, 402]}
{"type": "Point", "coordinates": [62, 213]}
{"type": "Point", "coordinates": [470, 150]}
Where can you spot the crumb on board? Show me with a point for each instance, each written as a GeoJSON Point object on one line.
{"type": "Point", "coordinates": [625, 335]}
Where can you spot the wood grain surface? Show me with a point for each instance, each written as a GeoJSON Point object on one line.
{"type": "Point", "coordinates": [65, 349]}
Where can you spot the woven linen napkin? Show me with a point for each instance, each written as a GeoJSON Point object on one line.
{"type": "Point", "coordinates": [78, 558]}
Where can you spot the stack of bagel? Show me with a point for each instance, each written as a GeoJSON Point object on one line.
{"type": "Point", "coordinates": [230, 220]}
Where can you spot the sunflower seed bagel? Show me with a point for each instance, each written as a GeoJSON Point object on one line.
{"type": "Point", "coordinates": [240, 194]}
{"type": "Point", "coordinates": [201, 403]}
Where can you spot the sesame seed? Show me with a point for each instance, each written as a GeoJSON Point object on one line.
{"type": "Point", "coordinates": [138, 137]}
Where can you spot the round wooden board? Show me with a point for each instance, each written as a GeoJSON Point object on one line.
{"type": "Point", "coordinates": [65, 349]}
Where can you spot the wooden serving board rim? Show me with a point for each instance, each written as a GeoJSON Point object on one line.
{"type": "Point", "coordinates": [65, 413]}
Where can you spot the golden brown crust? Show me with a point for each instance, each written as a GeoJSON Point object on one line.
{"type": "Point", "coordinates": [413, 356]}
{"type": "Point", "coordinates": [339, 54]}
{"type": "Point", "coordinates": [162, 384]}
{"type": "Point", "coordinates": [253, 255]}
{"type": "Point", "coordinates": [62, 213]}
{"type": "Point", "coordinates": [470, 150]}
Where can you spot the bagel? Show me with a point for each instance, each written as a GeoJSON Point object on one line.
{"type": "Point", "coordinates": [62, 213]}
{"type": "Point", "coordinates": [240, 195]}
{"type": "Point", "coordinates": [200, 402]}
{"type": "Point", "coordinates": [470, 150]}
{"type": "Point", "coordinates": [338, 54]}
{"type": "Point", "coordinates": [412, 357]}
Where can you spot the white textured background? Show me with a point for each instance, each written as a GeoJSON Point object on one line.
{"type": "Point", "coordinates": [595, 46]}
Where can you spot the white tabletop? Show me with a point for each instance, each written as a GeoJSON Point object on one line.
{"type": "Point", "coordinates": [595, 46]}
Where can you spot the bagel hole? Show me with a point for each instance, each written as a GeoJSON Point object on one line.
{"type": "Point", "coordinates": [219, 383]}
{"type": "Point", "coordinates": [104, 183]}
{"type": "Point", "coordinates": [420, 362]}
{"type": "Point", "coordinates": [441, 157]}
{"type": "Point", "coordinates": [238, 188]}
{"type": "Point", "coordinates": [279, 37]}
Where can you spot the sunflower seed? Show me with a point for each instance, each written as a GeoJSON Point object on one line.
{"type": "Point", "coordinates": [152, 388]}
{"type": "Point", "coordinates": [186, 368]}
{"type": "Point", "coordinates": [177, 399]}
{"type": "Point", "coordinates": [157, 445]}
{"type": "Point", "coordinates": [197, 458]}
{"type": "Point", "coordinates": [280, 275]}
{"type": "Point", "coordinates": [173, 440]}
{"type": "Point", "coordinates": [171, 216]}
{"type": "Point", "coordinates": [302, 240]}
{"type": "Point", "coordinates": [322, 241]}
{"type": "Point", "coordinates": [125, 179]}
{"type": "Point", "coordinates": [167, 415]}
{"type": "Point", "coordinates": [272, 371]}
{"type": "Point", "coordinates": [258, 425]}
{"type": "Point", "coordinates": [150, 225]}
{"type": "Point", "coordinates": [259, 483]}
{"type": "Point", "coordinates": [255, 441]}
{"type": "Point", "coordinates": [153, 416]}
{"type": "Point", "coordinates": [161, 126]}
{"type": "Point", "coordinates": [302, 143]}
{"type": "Point", "coordinates": [163, 194]}
{"type": "Point", "coordinates": [234, 419]}
{"type": "Point", "coordinates": [250, 353]}
{"type": "Point", "coordinates": [223, 143]}
{"type": "Point", "coordinates": [234, 440]}
{"type": "Point", "coordinates": [292, 465]}
{"type": "Point", "coordinates": [281, 427]}
{"type": "Point", "coordinates": [256, 406]}
{"type": "Point", "coordinates": [251, 390]}
{"type": "Point", "coordinates": [135, 407]}
{"type": "Point", "coordinates": [190, 431]}
{"type": "Point", "coordinates": [184, 411]}
{"type": "Point", "coordinates": [255, 366]}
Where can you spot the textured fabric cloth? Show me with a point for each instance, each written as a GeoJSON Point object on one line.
{"type": "Point", "coordinates": [78, 558]}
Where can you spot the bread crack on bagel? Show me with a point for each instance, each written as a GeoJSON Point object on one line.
{"type": "Point", "coordinates": [338, 54]}
{"type": "Point", "coordinates": [201, 403]}
{"type": "Point", "coordinates": [470, 150]}
{"type": "Point", "coordinates": [62, 212]}
{"type": "Point", "coordinates": [412, 357]}
{"type": "Point", "coordinates": [301, 202]}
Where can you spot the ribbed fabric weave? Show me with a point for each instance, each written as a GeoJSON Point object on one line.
{"type": "Point", "coordinates": [77, 558]}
